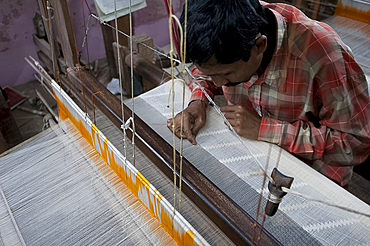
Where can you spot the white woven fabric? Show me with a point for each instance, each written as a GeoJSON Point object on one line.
{"type": "Point", "coordinates": [310, 223]}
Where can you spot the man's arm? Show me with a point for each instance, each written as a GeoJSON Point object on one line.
{"type": "Point", "coordinates": [209, 87]}
{"type": "Point", "coordinates": [341, 137]}
{"type": "Point", "coordinates": [194, 116]}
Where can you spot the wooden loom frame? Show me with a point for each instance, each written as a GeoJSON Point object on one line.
{"type": "Point", "coordinates": [222, 210]}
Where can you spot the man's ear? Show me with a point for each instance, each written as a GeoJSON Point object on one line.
{"type": "Point", "coordinates": [261, 44]}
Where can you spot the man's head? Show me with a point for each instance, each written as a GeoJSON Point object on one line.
{"type": "Point", "coordinates": [225, 32]}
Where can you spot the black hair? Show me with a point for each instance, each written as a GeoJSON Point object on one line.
{"type": "Point", "coordinates": [224, 28]}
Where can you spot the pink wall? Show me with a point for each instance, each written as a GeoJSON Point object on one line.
{"type": "Point", "coordinates": [16, 29]}
{"type": "Point", "coordinates": [153, 21]}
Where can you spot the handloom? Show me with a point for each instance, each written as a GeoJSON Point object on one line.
{"type": "Point", "coordinates": [223, 164]}
{"type": "Point", "coordinates": [299, 220]}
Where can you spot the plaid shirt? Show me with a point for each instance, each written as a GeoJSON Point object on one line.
{"type": "Point", "coordinates": [313, 97]}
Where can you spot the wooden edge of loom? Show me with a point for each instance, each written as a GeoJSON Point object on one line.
{"type": "Point", "coordinates": [173, 222]}
{"type": "Point", "coordinates": [223, 211]}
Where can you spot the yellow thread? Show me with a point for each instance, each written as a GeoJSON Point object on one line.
{"type": "Point", "coordinates": [173, 110]}
{"type": "Point", "coordinates": [182, 54]}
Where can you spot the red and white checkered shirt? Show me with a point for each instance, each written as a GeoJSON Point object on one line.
{"type": "Point", "coordinates": [313, 97]}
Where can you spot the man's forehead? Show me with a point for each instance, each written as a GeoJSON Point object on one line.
{"type": "Point", "coordinates": [211, 62]}
{"type": "Point", "coordinates": [214, 68]}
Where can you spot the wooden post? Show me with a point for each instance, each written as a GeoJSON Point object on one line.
{"type": "Point", "coordinates": [52, 41]}
{"type": "Point", "coordinates": [65, 30]}
{"type": "Point", "coordinates": [109, 53]}
{"type": "Point", "coordinates": [109, 36]}
{"type": "Point", "coordinates": [59, 14]}
{"type": "Point", "coordinates": [124, 51]}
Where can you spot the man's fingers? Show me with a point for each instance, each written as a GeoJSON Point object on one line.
{"type": "Point", "coordinates": [188, 132]}
{"type": "Point", "coordinates": [196, 127]}
{"type": "Point", "coordinates": [232, 109]}
{"type": "Point", "coordinates": [232, 122]}
{"type": "Point", "coordinates": [178, 133]}
{"type": "Point", "coordinates": [229, 115]}
{"type": "Point", "coordinates": [228, 108]}
{"type": "Point", "coordinates": [176, 128]}
{"type": "Point", "coordinates": [170, 124]}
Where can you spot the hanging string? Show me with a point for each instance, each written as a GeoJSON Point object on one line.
{"type": "Point", "coordinates": [86, 32]}
{"type": "Point", "coordinates": [123, 126]}
{"type": "Point", "coordinates": [173, 108]}
{"type": "Point", "coordinates": [132, 90]}
{"type": "Point", "coordinates": [183, 56]}
{"type": "Point", "coordinates": [87, 28]}
{"type": "Point", "coordinates": [260, 201]}
{"type": "Point", "coordinates": [174, 28]}
{"type": "Point", "coordinates": [88, 7]}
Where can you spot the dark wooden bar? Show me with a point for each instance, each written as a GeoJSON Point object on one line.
{"type": "Point", "coordinates": [224, 212]}
{"type": "Point", "coordinates": [148, 70]}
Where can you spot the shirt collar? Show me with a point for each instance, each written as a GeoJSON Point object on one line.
{"type": "Point", "coordinates": [275, 72]}
{"type": "Point", "coordinates": [281, 30]}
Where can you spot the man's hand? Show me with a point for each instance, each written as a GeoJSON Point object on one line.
{"type": "Point", "coordinates": [246, 122]}
{"type": "Point", "coordinates": [194, 119]}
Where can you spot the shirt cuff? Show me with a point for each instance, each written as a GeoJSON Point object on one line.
{"type": "Point", "coordinates": [270, 130]}
{"type": "Point", "coordinates": [197, 94]}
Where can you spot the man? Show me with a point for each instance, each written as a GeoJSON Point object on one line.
{"type": "Point", "coordinates": [287, 79]}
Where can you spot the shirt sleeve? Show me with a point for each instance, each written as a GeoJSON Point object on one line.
{"type": "Point", "coordinates": [341, 134]}
{"type": "Point", "coordinates": [209, 87]}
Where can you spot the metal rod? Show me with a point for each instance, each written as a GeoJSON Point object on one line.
{"type": "Point", "coordinates": [12, 218]}
{"type": "Point", "coordinates": [32, 111]}
{"type": "Point", "coordinates": [56, 118]}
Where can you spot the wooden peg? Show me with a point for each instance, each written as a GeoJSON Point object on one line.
{"type": "Point", "coordinates": [276, 194]}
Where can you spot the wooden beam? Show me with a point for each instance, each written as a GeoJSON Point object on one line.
{"type": "Point", "coordinates": [65, 31]}
{"type": "Point", "coordinates": [150, 72]}
{"type": "Point", "coordinates": [125, 77]}
{"type": "Point", "coordinates": [109, 36]}
{"type": "Point", "coordinates": [123, 23]}
{"type": "Point", "coordinates": [43, 45]}
{"type": "Point", "coordinates": [45, 17]}
{"type": "Point", "coordinates": [53, 50]}
{"type": "Point", "coordinates": [109, 53]}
